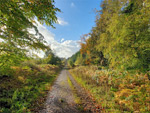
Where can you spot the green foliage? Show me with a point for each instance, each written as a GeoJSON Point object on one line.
{"type": "Point", "coordinates": [70, 63]}
{"type": "Point", "coordinates": [88, 49]}
{"type": "Point", "coordinates": [51, 58]}
{"type": "Point", "coordinates": [126, 41]}
{"type": "Point", "coordinates": [20, 92]}
{"type": "Point", "coordinates": [78, 59]}
{"type": "Point", "coordinates": [16, 18]}
{"type": "Point", "coordinates": [120, 38]}
{"type": "Point", "coordinates": [10, 56]}
{"type": "Point", "coordinates": [74, 57]}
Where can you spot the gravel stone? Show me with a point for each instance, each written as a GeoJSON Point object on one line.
{"type": "Point", "coordinates": [60, 98]}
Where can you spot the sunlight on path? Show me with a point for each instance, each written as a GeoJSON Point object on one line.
{"type": "Point", "coordinates": [60, 99]}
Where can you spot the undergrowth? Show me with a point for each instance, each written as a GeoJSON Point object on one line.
{"type": "Point", "coordinates": [115, 91]}
{"type": "Point", "coordinates": [25, 89]}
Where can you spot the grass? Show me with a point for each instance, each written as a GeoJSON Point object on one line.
{"type": "Point", "coordinates": [76, 97]}
{"type": "Point", "coordinates": [26, 90]}
{"type": "Point", "coordinates": [115, 91]}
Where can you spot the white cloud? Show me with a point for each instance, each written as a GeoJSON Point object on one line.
{"type": "Point", "coordinates": [60, 21]}
{"type": "Point", "coordinates": [72, 5]}
{"type": "Point", "coordinates": [62, 40]}
{"type": "Point", "coordinates": [63, 49]}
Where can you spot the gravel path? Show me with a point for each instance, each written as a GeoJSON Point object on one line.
{"type": "Point", "coordinates": [60, 99]}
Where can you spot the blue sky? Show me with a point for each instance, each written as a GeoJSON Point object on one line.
{"type": "Point", "coordinates": [77, 17]}
{"type": "Point", "coordinates": [80, 16]}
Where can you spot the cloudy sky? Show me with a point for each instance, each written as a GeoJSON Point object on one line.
{"type": "Point", "coordinates": [76, 18]}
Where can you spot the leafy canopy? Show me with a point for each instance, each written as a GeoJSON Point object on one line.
{"type": "Point", "coordinates": [17, 16]}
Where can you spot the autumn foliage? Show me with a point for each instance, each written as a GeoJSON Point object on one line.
{"type": "Point", "coordinates": [120, 37]}
{"type": "Point", "coordinates": [115, 91]}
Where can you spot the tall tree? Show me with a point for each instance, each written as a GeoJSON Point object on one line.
{"type": "Point", "coordinates": [123, 27]}
{"type": "Point", "coordinates": [17, 16]}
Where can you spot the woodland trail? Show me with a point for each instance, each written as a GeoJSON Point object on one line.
{"type": "Point", "coordinates": [61, 99]}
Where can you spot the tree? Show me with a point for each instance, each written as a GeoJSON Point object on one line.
{"type": "Point", "coordinates": [51, 58]}
{"type": "Point", "coordinates": [121, 35]}
{"type": "Point", "coordinates": [16, 18]}
{"type": "Point", "coordinates": [70, 63]}
{"type": "Point", "coordinates": [125, 38]}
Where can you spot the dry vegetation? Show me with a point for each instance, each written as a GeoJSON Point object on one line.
{"type": "Point", "coordinates": [115, 91]}
{"type": "Point", "coordinates": [26, 89]}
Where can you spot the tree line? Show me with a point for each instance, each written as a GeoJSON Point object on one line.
{"type": "Point", "coordinates": [121, 37]}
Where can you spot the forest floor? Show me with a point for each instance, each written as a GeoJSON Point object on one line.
{"type": "Point", "coordinates": [66, 96]}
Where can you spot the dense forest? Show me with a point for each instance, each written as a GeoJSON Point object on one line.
{"type": "Point", "coordinates": [120, 38]}
{"type": "Point", "coordinates": [113, 63]}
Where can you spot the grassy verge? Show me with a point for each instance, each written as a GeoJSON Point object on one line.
{"type": "Point", "coordinates": [26, 89]}
{"type": "Point", "coordinates": [77, 98]}
{"type": "Point", "coordinates": [115, 91]}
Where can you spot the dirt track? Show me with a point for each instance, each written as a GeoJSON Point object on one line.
{"type": "Point", "coordinates": [60, 99]}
